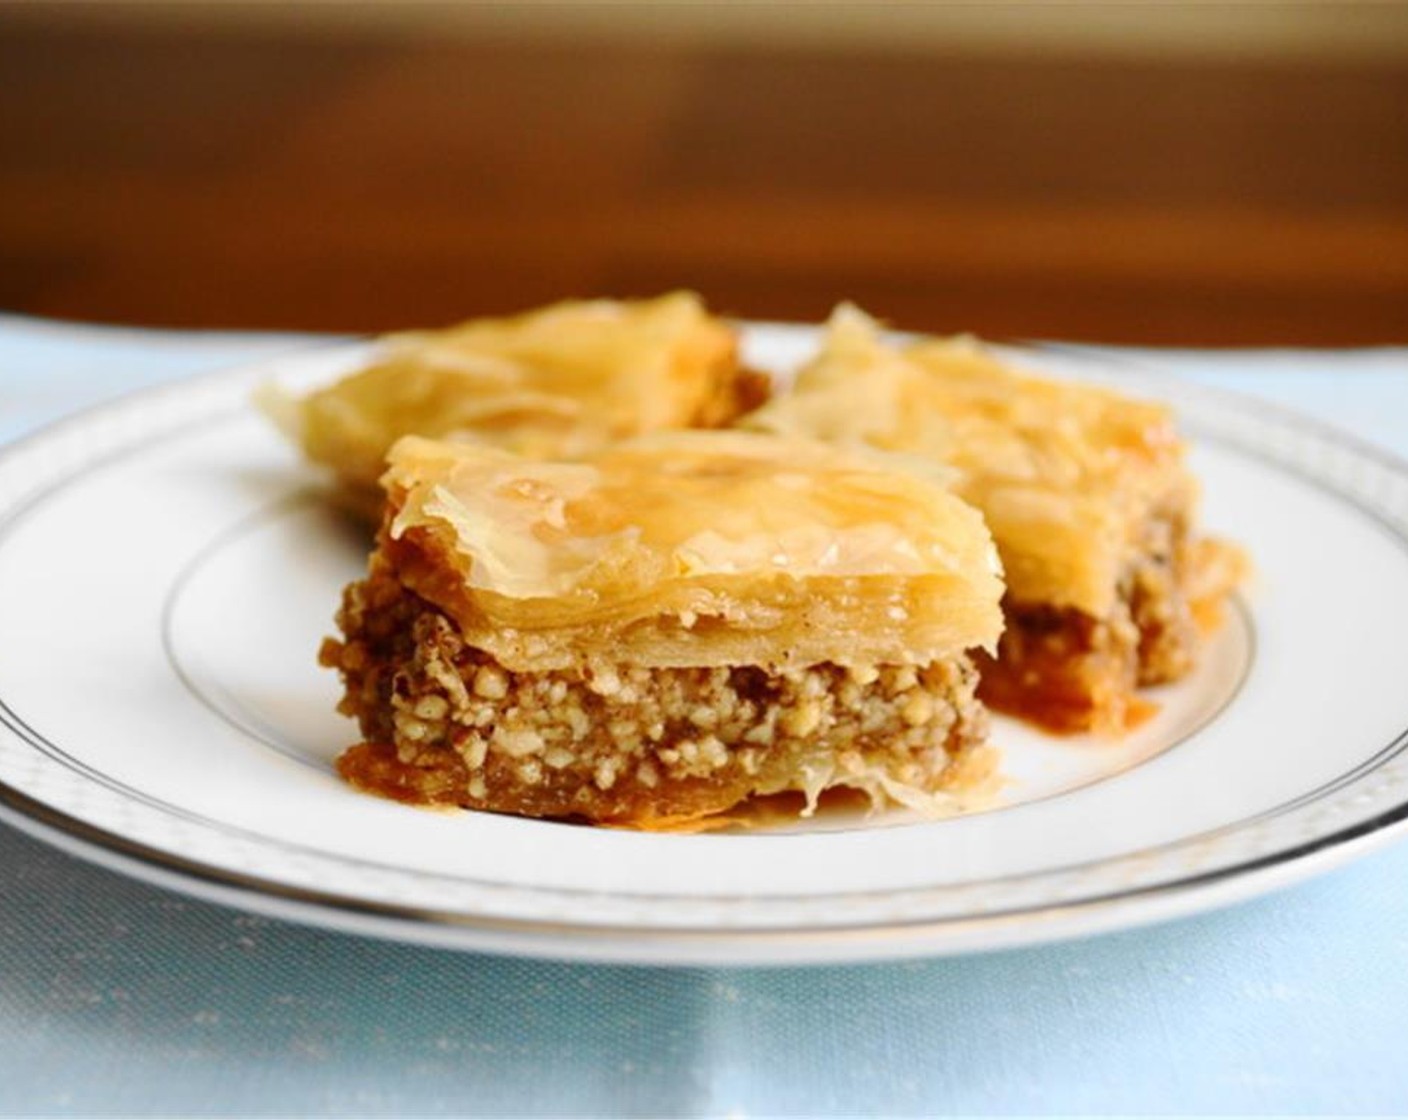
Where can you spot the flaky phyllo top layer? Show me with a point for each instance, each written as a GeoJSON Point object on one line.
{"type": "Point", "coordinates": [693, 549]}
{"type": "Point", "coordinates": [560, 381]}
{"type": "Point", "coordinates": [1066, 475]}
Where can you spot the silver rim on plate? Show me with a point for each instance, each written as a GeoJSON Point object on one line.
{"type": "Point", "coordinates": [1364, 806]}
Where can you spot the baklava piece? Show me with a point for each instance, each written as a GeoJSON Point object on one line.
{"type": "Point", "coordinates": [561, 381]}
{"type": "Point", "coordinates": [1087, 495]}
{"type": "Point", "coordinates": [655, 634]}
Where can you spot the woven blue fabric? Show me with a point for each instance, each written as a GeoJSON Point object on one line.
{"type": "Point", "coordinates": [117, 998]}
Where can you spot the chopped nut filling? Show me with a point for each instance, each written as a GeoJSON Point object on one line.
{"type": "Point", "coordinates": [1071, 671]}
{"type": "Point", "coordinates": [445, 724]}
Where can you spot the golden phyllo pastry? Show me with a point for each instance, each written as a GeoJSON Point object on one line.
{"type": "Point", "coordinates": [1086, 493]}
{"type": "Point", "coordinates": [560, 381]}
{"type": "Point", "coordinates": [656, 633]}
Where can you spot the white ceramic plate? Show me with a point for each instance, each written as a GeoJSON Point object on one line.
{"type": "Point", "coordinates": [167, 571]}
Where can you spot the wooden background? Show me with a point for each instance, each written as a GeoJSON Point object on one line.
{"type": "Point", "coordinates": [360, 181]}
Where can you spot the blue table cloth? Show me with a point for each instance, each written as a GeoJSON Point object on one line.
{"type": "Point", "coordinates": [117, 998]}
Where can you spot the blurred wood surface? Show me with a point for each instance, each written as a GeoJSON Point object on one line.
{"type": "Point", "coordinates": [361, 182]}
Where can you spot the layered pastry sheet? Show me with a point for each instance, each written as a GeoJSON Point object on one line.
{"type": "Point", "coordinates": [1086, 492]}
{"type": "Point", "coordinates": [654, 633]}
{"type": "Point", "coordinates": [564, 380]}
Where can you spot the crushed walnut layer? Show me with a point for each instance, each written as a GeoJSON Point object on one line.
{"type": "Point", "coordinates": [1070, 671]}
{"type": "Point", "coordinates": [444, 723]}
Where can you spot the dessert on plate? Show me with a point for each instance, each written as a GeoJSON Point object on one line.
{"type": "Point", "coordinates": [651, 634]}
{"type": "Point", "coordinates": [559, 381]}
{"type": "Point", "coordinates": [1086, 492]}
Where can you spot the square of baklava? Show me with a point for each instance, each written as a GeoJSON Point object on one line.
{"type": "Point", "coordinates": [653, 634]}
{"type": "Point", "coordinates": [559, 381]}
{"type": "Point", "coordinates": [1086, 492]}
